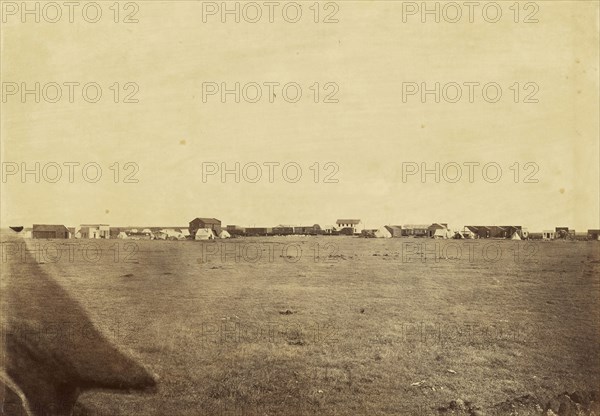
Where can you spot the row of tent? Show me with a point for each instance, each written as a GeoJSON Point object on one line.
{"type": "Point", "coordinates": [387, 232]}
{"type": "Point", "coordinates": [440, 233]}
{"type": "Point", "coordinates": [172, 234]}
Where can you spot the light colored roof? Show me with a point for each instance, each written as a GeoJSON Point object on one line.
{"type": "Point", "coordinates": [416, 226]}
{"type": "Point", "coordinates": [49, 227]}
{"type": "Point", "coordinates": [348, 221]}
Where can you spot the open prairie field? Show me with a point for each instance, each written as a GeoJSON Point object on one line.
{"type": "Point", "coordinates": [322, 325]}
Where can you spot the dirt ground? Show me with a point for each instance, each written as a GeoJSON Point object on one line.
{"type": "Point", "coordinates": [324, 325]}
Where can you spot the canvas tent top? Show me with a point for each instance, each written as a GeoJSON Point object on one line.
{"type": "Point", "coordinates": [224, 234]}
{"type": "Point", "coordinates": [442, 233]}
{"type": "Point", "coordinates": [382, 233]}
{"type": "Point", "coordinates": [350, 221]}
{"type": "Point", "coordinates": [416, 226]}
{"type": "Point", "coordinates": [204, 234]}
{"type": "Point", "coordinates": [515, 236]}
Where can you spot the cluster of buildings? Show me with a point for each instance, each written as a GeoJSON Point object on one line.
{"type": "Point", "coordinates": [201, 228]}
{"type": "Point", "coordinates": [510, 232]}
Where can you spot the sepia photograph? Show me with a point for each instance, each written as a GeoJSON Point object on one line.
{"type": "Point", "coordinates": [300, 208]}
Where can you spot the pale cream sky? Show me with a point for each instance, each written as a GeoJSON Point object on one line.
{"type": "Point", "coordinates": [368, 134]}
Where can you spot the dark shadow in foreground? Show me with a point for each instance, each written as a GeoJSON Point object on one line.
{"type": "Point", "coordinates": [51, 351]}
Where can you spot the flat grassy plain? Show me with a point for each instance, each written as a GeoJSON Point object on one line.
{"type": "Point", "coordinates": [330, 325]}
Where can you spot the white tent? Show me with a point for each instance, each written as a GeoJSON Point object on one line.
{"type": "Point", "coordinates": [382, 233]}
{"type": "Point", "coordinates": [160, 235]}
{"type": "Point", "coordinates": [122, 235]}
{"type": "Point", "coordinates": [185, 232]}
{"type": "Point", "coordinates": [167, 234]}
{"type": "Point", "coordinates": [515, 236]}
{"type": "Point", "coordinates": [147, 231]}
{"type": "Point", "coordinates": [442, 233]}
{"type": "Point", "coordinates": [174, 235]}
{"type": "Point", "coordinates": [204, 234]}
{"type": "Point", "coordinates": [224, 234]}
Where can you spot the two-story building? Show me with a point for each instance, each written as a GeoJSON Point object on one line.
{"type": "Point", "coordinates": [354, 225]}
{"type": "Point", "coordinates": [93, 231]}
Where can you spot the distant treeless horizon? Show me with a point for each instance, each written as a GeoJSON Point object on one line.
{"type": "Point", "coordinates": [171, 156]}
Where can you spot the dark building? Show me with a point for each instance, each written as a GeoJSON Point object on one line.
{"type": "Point", "coordinates": [496, 231]}
{"type": "Point", "coordinates": [479, 231]}
{"type": "Point", "coordinates": [308, 229]}
{"type": "Point", "coordinates": [258, 231]}
{"type": "Point", "coordinates": [235, 230]}
{"type": "Point", "coordinates": [593, 234]}
{"type": "Point", "coordinates": [346, 231]}
{"type": "Point", "coordinates": [49, 231]}
{"type": "Point", "coordinates": [212, 223]}
{"type": "Point", "coordinates": [563, 233]}
{"type": "Point", "coordinates": [395, 230]}
{"type": "Point", "coordinates": [283, 230]}
{"type": "Point", "coordinates": [418, 230]}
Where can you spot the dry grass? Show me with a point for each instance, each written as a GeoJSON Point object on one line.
{"type": "Point", "coordinates": [345, 331]}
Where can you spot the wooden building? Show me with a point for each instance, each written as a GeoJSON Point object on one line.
{"type": "Point", "coordinates": [197, 223]}
{"type": "Point", "coordinates": [50, 231]}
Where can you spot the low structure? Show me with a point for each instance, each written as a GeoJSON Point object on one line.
{"type": "Point", "coordinates": [354, 225]}
{"type": "Point", "coordinates": [307, 229]}
{"type": "Point", "coordinates": [93, 231]}
{"type": "Point", "coordinates": [235, 230]}
{"type": "Point", "coordinates": [564, 233]}
{"type": "Point", "coordinates": [395, 230]}
{"type": "Point", "coordinates": [368, 233]}
{"type": "Point", "coordinates": [258, 231]}
{"type": "Point", "coordinates": [415, 230]}
{"type": "Point", "coordinates": [50, 231]}
{"type": "Point", "coordinates": [329, 230]}
{"type": "Point", "coordinates": [137, 235]}
{"type": "Point", "coordinates": [548, 235]}
{"type": "Point", "coordinates": [283, 230]}
{"type": "Point", "coordinates": [494, 231]}
{"type": "Point", "coordinates": [593, 234]}
{"type": "Point", "coordinates": [477, 231]}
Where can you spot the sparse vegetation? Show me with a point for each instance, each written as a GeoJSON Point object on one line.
{"type": "Point", "coordinates": [361, 332]}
